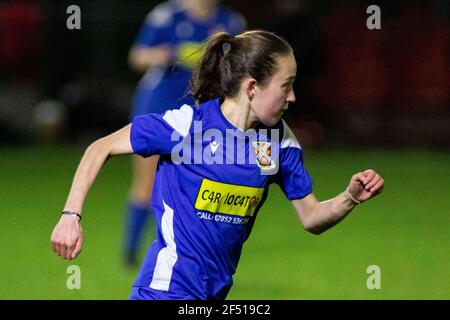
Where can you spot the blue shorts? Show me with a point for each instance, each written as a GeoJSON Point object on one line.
{"type": "Point", "coordinates": [147, 293]}
{"type": "Point", "coordinates": [171, 92]}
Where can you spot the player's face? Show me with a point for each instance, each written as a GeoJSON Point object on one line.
{"type": "Point", "coordinates": [272, 100]}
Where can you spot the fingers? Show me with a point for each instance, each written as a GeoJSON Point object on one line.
{"type": "Point", "coordinates": [64, 250]}
{"type": "Point", "coordinates": [369, 179]}
{"type": "Point", "coordinates": [364, 177]}
{"type": "Point", "coordinates": [368, 175]}
{"type": "Point", "coordinates": [66, 240]}
{"type": "Point", "coordinates": [364, 185]}
{"type": "Point", "coordinates": [77, 249]}
{"type": "Point", "coordinates": [357, 181]}
{"type": "Point", "coordinates": [59, 247]}
{"type": "Point", "coordinates": [78, 243]}
{"type": "Point", "coordinates": [70, 248]}
{"type": "Point", "coordinates": [378, 187]}
{"type": "Point", "coordinates": [373, 182]}
{"type": "Point", "coordinates": [54, 248]}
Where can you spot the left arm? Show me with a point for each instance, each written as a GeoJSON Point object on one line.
{"type": "Point", "coordinates": [317, 217]}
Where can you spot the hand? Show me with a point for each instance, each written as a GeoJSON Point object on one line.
{"type": "Point", "coordinates": [67, 237]}
{"type": "Point", "coordinates": [141, 58]}
{"type": "Point", "coordinates": [365, 185]}
{"type": "Point", "coordinates": [165, 54]}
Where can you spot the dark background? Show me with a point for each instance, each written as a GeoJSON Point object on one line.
{"type": "Point", "coordinates": [356, 87]}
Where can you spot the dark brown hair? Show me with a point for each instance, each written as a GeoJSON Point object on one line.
{"type": "Point", "coordinates": [228, 60]}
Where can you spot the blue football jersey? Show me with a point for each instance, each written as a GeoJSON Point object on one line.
{"type": "Point", "coordinates": [163, 88]}
{"type": "Point", "coordinates": [211, 180]}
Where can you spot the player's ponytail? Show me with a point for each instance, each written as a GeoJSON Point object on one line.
{"type": "Point", "coordinates": [206, 82]}
{"type": "Point", "coordinates": [228, 60]}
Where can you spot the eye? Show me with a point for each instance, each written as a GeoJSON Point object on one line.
{"type": "Point", "coordinates": [287, 87]}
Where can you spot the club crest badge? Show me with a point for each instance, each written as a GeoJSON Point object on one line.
{"type": "Point", "coordinates": [263, 154]}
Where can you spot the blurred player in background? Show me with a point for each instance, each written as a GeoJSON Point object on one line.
{"type": "Point", "coordinates": [166, 49]}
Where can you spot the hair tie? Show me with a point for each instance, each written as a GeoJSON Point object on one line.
{"type": "Point", "coordinates": [226, 48]}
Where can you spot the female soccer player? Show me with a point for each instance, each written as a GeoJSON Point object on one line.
{"type": "Point", "coordinates": [166, 49]}
{"type": "Point", "coordinates": [217, 160]}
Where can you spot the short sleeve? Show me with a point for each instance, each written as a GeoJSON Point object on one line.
{"type": "Point", "coordinates": [154, 29]}
{"type": "Point", "coordinates": [158, 134]}
{"type": "Point", "coordinates": [293, 178]}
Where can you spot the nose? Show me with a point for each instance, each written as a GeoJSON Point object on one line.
{"type": "Point", "coordinates": [291, 96]}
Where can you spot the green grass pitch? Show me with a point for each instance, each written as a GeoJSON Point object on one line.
{"type": "Point", "coordinates": [404, 231]}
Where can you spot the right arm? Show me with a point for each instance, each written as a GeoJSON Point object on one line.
{"type": "Point", "coordinates": [67, 236]}
{"type": "Point", "coordinates": [141, 58]}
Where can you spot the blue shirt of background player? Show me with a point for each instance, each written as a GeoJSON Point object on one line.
{"type": "Point", "coordinates": [164, 88]}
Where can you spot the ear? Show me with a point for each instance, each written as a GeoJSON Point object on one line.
{"type": "Point", "coordinates": [249, 87]}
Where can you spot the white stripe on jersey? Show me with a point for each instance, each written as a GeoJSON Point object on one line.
{"type": "Point", "coordinates": [161, 15]}
{"type": "Point", "coordinates": [180, 119]}
{"type": "Point", "coordinates": [168, 255]}
{"type": "Point", "coordinates": [289, 139]}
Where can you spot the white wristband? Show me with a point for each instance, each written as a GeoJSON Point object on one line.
{"type": "Point", "coordinates": [351, 197]}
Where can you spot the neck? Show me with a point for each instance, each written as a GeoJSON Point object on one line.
{"type": "Point", "coordinates": [199, 11]}
{"type": "Point", "coordinates": [239, 114]}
